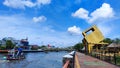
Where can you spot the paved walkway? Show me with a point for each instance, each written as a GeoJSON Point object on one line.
{"type": "Point", "coordinates": [86, 61]}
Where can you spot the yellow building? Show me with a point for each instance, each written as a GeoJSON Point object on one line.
{"type": "Point", "coordinates": [92, 37]}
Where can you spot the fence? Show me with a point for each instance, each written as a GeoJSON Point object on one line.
{"type": "Point", "coordinates": [111, 57]}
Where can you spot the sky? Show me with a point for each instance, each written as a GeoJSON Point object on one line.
{"type": "Point", "coordinates": [58, 22]}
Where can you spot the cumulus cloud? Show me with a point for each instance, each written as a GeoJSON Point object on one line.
{"type": "Point", "coordinates": [40, 2]}
{"type": "Point", "coordinates": [74, 30]}
{"type": "Point", "coordinates": [39, 19]}
{"type": "Point", "coordinates": [81, 13]}
{"type": "Point", "coordinates": [25, 3]}
{"type": "Point", "coordinates": [100, 17]}
{"type": "Point", "coordinates": [104, 12]}
{"type": "Point", "coordinates": [18, 26]}
{"type": "Point", "coordinates": [28, 4]}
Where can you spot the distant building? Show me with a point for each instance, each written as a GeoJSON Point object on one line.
{"type": "Point", "coordinates": [34, 47]}
{"type": "Point", "coordinates": [24, 43]}
{"type": "Point", "coordinates": [49, 46]}
{"type": "Point", "coordinates": [113, 47]}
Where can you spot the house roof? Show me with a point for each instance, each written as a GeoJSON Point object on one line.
{"type": "Point", "coordinates": [114, 45]}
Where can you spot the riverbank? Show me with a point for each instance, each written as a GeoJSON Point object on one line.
{"type": "Point", "coordinates": [6, 51]}
{"type": "Point", "coordinates": [45, 50]}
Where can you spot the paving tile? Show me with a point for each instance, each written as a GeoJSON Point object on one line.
{"type": "Point", "coordinates": [86, 61]}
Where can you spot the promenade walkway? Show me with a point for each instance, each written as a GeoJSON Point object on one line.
{"type": "Point", "coordinates": [85, 61]}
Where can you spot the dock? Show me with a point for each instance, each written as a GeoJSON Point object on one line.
{"type": "Point", "coordinates": [86, 61]}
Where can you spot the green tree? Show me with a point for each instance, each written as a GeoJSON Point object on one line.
{"type": "Point", "coordinates": [108, 40]}
{"type": "Point", "coordinates": [3, 47]}
{"type": "Point", "coordinates": [9, 44]}
{"type": "Point", "coordinates": [117, 41]}
{"type": "Point", "coordinates": [78, 46]}
{"type": "Point", "coordinates": [43, 47]}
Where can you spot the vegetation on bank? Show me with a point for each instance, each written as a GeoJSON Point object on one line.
{"type": "Point", "coordinates": [79, 45]}
{"type": "Point", "coordinates": [8, 45]}
{"type": "Point", "coordinates": [108, 40]}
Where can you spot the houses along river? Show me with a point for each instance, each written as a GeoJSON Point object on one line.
{"type": "Point", "coordinates": [35, 60]}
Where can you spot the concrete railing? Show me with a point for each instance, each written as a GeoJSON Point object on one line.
{"type": "Point", "coordinates": [68, 60]}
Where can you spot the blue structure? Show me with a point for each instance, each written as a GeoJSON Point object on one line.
{"type": "Point", "coordinates": [25, 43]}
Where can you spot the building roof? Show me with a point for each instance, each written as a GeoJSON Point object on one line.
{"type": "Point", "coordinates": [114, 45]}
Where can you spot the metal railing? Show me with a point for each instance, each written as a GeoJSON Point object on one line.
{"type": "Point", "coordinates": [113, 58]}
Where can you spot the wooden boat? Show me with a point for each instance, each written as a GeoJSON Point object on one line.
{"type": "Point", "coordinates": [10, 57]}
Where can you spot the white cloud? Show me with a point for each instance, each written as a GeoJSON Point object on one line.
{"type": "Point", "coordinates": [104, 12]}
{"type": "Point", "coordinates": [14, 3]}
{"type": "Point", "coordinates": [81, 13]}
{"type": "Point", "coordinates": [19, 27]}
{"type": "Point", "coordinates": [74, 30]}
{"type": "Point", "coordinates": [28, 4]}
{"type": "Point", "coordinates": [25, 3]}
{"type": "Point", "coordinates": [39, 19]}
{"type": "Point", "coordinates": [40, 2]}
{"type": "Point", "coordinates": [100, 17]}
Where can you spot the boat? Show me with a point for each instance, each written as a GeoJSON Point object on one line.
{"type": "Point", "coordinates": [12, 56]}
{"type": "Point", "coordinates": [9, 57]}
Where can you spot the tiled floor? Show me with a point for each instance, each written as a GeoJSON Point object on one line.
{"type": "Point", "coordinates": [86, 61]}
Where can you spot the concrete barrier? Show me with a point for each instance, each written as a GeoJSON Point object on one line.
{"type": "Point", "coordinates": [69, 57]}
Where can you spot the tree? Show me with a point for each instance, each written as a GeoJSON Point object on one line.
{"type": "Point", "coordinates": [78, 46]}
{"type": "Point", "coordinates": [117, 41]}
{"type": "Point", "coordinates": [9, 44]}
{"type": "Point", "coordinates": [43, 47]}
{"type": "Point", "coordinates": [3, 47]}
{"type": "Point", "coordinates": [108, 40]}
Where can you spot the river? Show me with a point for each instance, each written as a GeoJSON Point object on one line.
{"type": "Point", "coordinates": [35, 60]}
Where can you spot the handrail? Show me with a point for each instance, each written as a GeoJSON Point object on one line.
{"type": "Point", "coordinates": [66, 64]}
{"type": "Point", "coordinates": [77, 64]}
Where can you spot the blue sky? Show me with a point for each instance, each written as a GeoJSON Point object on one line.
{"type": "Point", "coordinates": [58, 22]}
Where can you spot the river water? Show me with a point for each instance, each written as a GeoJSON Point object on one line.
{"type": "Point", "coordinates": [35, 60]}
